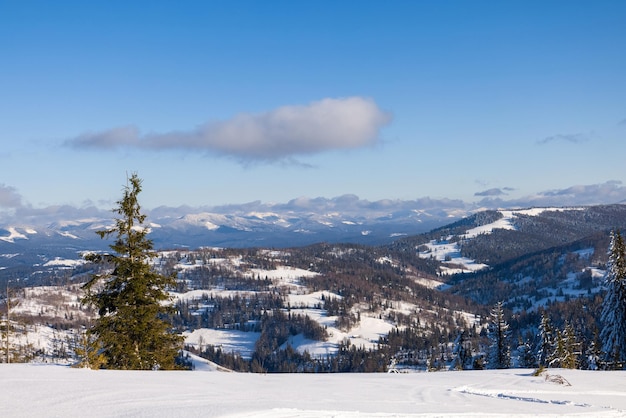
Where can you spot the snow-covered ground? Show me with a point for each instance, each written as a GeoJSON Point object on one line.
{"type": "Point", "coordinates": [62, 303]}
{"type": "Point", "coordinates": [228, 340]}
{"type": "Point", "coordinates": [28, 390]}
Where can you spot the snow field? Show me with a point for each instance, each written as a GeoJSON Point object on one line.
{"type": "Point", "coordinates": [28, 390]}
{"type": "Point", "coordinates": [230, 341]}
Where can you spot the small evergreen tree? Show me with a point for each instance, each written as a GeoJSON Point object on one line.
{"type": "Point", "coordinates": [592, 359]}
{"type": "Point", "coordinates": [526, 355]}
{"type": "Point", "coordinates": [462, 351]}
{"type": "Point", "coordinates": [130, 331]}
{"type": "Point", "coordinates": [613, 319]}
{"type": "Point", "coordinates": [87, 350]}
{"type": "Point", "coordinates": [546, 341]}
{"type": "Point", "coordinates": [572, 348]}
{"type": "Point", "coordinates": [557, 356]}
{"type": "Point", "coordinates": [500, 351]}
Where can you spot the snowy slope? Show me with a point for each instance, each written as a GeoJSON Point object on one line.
{"type": "Point", "coordinates": [448, 251]}
{"type": "Point", "coordinates": [47, 391]}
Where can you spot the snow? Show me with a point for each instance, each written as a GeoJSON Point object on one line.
{"type": "Point", "coordinates": [430, 283]}
{"type": "Point", "coordinates": [287, 275]}
{"type": "Point", "coordinates": [64, 262]}
{"type": "Point", "coordinates": [367, 332]}
{"type": "Point", "coordinates": [58, 303]}
{"type": "Point", "coordinates": [450, 254]}
{"type": "Point", "coordinates": [28, 390]}
{"type": "Point", "coordinates": [67, 235]}
{"type": "Point", "coordinates": [314, 348]}
{"type": "Point", "coordinates": [230, 341]}
{"type": "Point", "coordinates": [310, 299]}
{"type": "Point", "coordinates": [13, 235]}
{"type": "Point", "coordinates": [263, 215]}
{"type": "Point", "coordinates": [50, 300]}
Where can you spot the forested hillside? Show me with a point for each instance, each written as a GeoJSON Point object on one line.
{"type": "Point", "coordinates": [424, 301]}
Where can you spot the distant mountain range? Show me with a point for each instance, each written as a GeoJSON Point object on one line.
{"type": "Point", "coordinates": [37, 237]}
{"type": "Point", "coordinates": [33, 237]}
{"type": "Point", "coordinates": [300, 221]}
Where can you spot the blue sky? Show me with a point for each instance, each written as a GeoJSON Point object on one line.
{"type": "Point", "coordinates": [217, 102]}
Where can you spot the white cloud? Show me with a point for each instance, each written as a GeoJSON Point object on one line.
{"type": "Point", "coordinates": [610, 191]}
{"type": "Point", "coordinates": [279, 134]}
{"type": "Point", "coordinates": [591, 194]}
{"type": "Point", "coordinates": [9, 197]}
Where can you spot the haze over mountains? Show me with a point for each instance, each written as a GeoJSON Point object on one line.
{"type": "Point", "coordinates": [300, 221]}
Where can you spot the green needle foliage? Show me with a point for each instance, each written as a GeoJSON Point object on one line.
{"type": "Point", "coordinates": [614, 304]}
{"type": "Point", "coordinates": [130, 332]}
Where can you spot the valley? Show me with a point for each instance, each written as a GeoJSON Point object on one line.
{"type": "Point", "coordinates": [409, 304]}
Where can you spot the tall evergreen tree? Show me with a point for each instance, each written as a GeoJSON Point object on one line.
{"type": "Point", "coordinates": [566, 349]}
{"type": "Point", "coordinates": [613, 319]}
{"type": "Point", "coordinates": [546, 341]}
{"type": "Point", "coordinates": [500, 351]}
{"type": "Point", "coordinates": [130, 331]}
{"type": "Point", "coordinates": [557, 356]}
{"type": "Point", "coordinates": [572, 347]}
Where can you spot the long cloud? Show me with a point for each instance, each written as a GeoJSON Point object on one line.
{"type": "Point", "coordinates": [591, 194]}
{"type": "Point", "coordinates": [571, 138]}
{"type": "Point", "coordinates": [328, 124]}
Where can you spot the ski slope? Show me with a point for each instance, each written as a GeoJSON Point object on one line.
{"type": "Point", "coordinates": [30, 390]}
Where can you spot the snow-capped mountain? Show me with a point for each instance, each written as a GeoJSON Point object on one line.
{"type": "Point", "coordinates": [36, 238]}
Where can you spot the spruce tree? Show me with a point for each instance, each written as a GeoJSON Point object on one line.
{"type": "Point", "coordinates": [592, 359]}
{"type": "Point", "coordinates": [546, 341]}
{"type": "Point", "coordinates": [613, 319]}
{"type": "Point", "coordinates": [557, 356]}
{"type": "Point", "coordinates": [500, 351]}
{"type": "Point", "coordinates": [526, 356]}
{"type": "Point", "coordinates": [131, 332]}
{"type": "Point", "coordinates": [462, 351]}
{"type": "Point", "coordinates": [572, 348]}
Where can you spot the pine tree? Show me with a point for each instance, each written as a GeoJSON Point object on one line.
{"type": "Point", "coordinates": [87, 349]}
{"type": "Point", "coordinates": [613, 317]}
{"type": "Point", "coordinates": [130, 331]}
{"type": "Point", "coordinates": [572, 348]}
{"type": "Point", "coordinates": [526, 355]}
{"type": "Point", "coordinates": [592, 359]}
{"type": "Point", "coordinates": [462, 351]}
{"type": "Point", "coordinates": [566, 349]}
{"type": "Point", "coordinates": [557, 356]}
{"type": "Point", "coordinates": [546, 341]}
{"type": "Point", "coordinates": [500, 351]}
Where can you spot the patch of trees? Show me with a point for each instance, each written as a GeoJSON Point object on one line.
{"type": "Point", "coordinates": [240, 312]}
{"type": "Point", "coordinates": [535, 276]}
